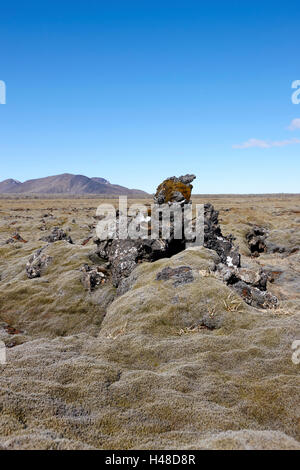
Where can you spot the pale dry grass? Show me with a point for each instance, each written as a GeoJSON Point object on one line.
{"type": "Point", "coordinates": [232, 304]}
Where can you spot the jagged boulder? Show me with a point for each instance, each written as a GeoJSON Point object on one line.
{"type": "Point", "coordinates": [250, 284]}
{"type": "Point", "coordinates": [256, 239]}
{"type": "Point", "coordinates": [215, 240]}
{"type": "Point", "coordinates": [260, 241]}
{"type": "Point", "coordinates": [231, 275]}
{"type": "Point", "coordinates": [180, 275]}
{"type": "Point", "coordinates": [123, 255]}
{"type": "Point", "coordinates": [56, 235]}
{"type": "Point", "coordinates": [174, 190]}
{"type": "Point", "coordinates": [92, 277]}
{"type": "Point", "coordinates": [254, 296]}
{"type": "Point", "coordinates": [37, 263]}
{"type": "Point", "coordinates": [16, 237]}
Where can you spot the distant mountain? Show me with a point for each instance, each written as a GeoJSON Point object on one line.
{"type": "Point", "coordinates": [9, 186]}
{"type": "Point", "coordinates": [67, 184]}
{"type": "Point", "coordinates": [100, 180]}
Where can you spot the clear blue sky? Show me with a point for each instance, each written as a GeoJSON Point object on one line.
{"type": "Point", "coordinates": [135, 91]}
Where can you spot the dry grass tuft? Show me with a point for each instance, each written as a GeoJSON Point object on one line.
{"type": "Point", "coordinates": [120, 332]}
{"type": "Point", "coordinates": [232, 304]}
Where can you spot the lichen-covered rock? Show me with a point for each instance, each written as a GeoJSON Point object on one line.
{"type": "Point", "coordinates": [174, 190]}
{"type": "Point", "coordinates": [179, 276]}
{"type": "Point", "coordinates": [56, 235]}
{"type": "Point", "coordinates": [250, 284]}
{"type": "Point", "coordinates": [231, 274]}
{"type": "Point", "coordinates": [254, 296]}
{"type": "Point", "coordinates": [37, 263]}
{"type": "Point", "coordinates": [283, 240]}
{"type": "Point", "coordinates": [92, 277]}
{"type": "Point", "coordinates": [124, 255]}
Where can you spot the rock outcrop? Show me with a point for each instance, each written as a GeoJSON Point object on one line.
{"type": "Point", "coordinates": [37, 263]}
{"type": "Point", "coordinates": [174, 190]}
{"type": "Point", "coordinates": [256, 239]}
{"type": "Point", "coordinates": [56, 235]}
{"type": "Point", "coordinates": [16, 237]}
{"type": "Point", "coordinates": [250, 284]}
{"type": "Point", "coordinates": [124, 255]}
{"type": "Point", "coordinates": [215, 240]}
{"type": "Point", "coordinates": [260, 241]}
{"type": "Point", "coordinates": [180, 275]}
{"type": "Point", "coordinates": [92, 277]}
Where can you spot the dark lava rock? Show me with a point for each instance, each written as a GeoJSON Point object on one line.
{"type": "Point", "coordinates": [92, 277]}
{"type": "Point", "coordinates": [123, 255]}
{"type": "Point", "coordinates": [56, 235]}
{"type": "Point", "coordinates": [250, 284]}
{"type": "Point", "coordinates": [9, 240]}
{"type": "Point", "coordinates": [273, 273]}
{"type": "Point", "coordinates": [254, 296]}
{"type": "Point", "coordinates": [180, 275]}
{"type": "Point", "coordinates": [214, 240]}
{"type": "Point", "coordinates": [37, 263]}
{"type": "Point", "coordinates": [294, 250]}
{"type": "Point", "coordinates": [256, 240]}
{"type": "Point", "coordinates": [274, 248]}
{"type": "Point", "coordinates": [231, 275]}
{"type": "Point", "coordinates": [16, 237]}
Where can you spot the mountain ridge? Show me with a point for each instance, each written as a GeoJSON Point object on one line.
{"type": "Point", "coordinates": [67, 183]}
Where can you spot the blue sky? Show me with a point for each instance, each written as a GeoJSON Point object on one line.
{"type": "Point", "coordinates": [135, 91]}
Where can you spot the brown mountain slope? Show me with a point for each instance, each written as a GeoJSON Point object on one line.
{"type": "Point", "coordinates": [67, 184]}
{"type": "Point", "coordinates": [9, 186]}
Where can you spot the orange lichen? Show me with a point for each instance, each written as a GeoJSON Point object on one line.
{"type": "Point", "coordinates": [168, 187]}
